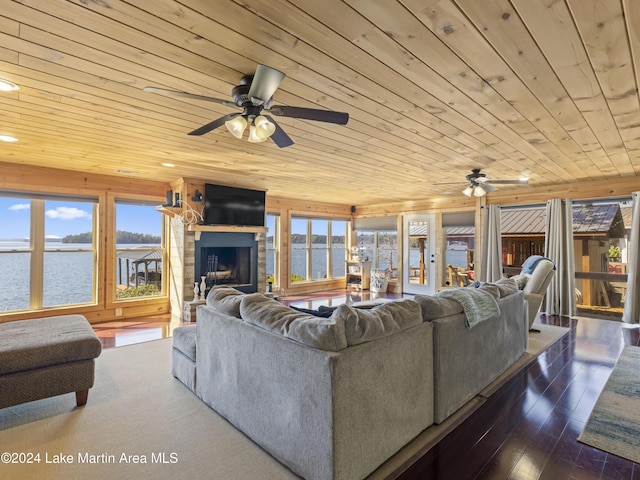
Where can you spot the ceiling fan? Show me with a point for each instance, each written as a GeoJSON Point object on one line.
{"type": "Point", "coordinates": [255, 96]}
{"type": "Point", "coordinates": [479, 185]}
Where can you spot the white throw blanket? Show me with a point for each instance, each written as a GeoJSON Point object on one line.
{"type": "Point", "coordinates": [477, 305]}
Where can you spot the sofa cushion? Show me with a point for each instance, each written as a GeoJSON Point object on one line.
{"type": "Point", "coordinates": [226, 300]}
{"type": "Point", "coordinates": [507, 286]}
{"type": "Point", "coordinates": [366, 325]}
{"type": "Point", "coordinates": [184, 340]}
{"type": "Point", "coordinates": [436, 307]}
{"type": "Point", "coordinates": [323, 333]}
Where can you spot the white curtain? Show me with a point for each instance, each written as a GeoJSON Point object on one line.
{"type": "Point", "coordinates": [491, 265]}
{"type": "Point", "coordinates": [631, 312]}
{"type": "Point", "coordinates": [558, 246]}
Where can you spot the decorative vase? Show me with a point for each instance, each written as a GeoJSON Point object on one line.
{"type": "Point", "coordinates": [203, 286]}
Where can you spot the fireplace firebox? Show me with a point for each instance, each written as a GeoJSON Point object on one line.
{"type": "Point", "coordinates": [230, 259]}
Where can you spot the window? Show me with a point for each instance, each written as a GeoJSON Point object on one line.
{"type": "Point", "coordinates": [522, 235]}
{"type": "Point", "coordinates": [140, 251]}
{"type": "Point", "coordinates": [377, 240]}
{"type": "Point", "coordinates": [601, 248]}
{"type": "Point", "coordinates": [48, 245]}
{"type": "Point", "coordinates": [459, 230]}
{"type": "Point", "coordinates": [318, 249]}
{"type": "Point", "coordinates": [381, 247]}
{"type": "Point", "coordinates": [68, 255]}
{"type": "Point", "coordinates": [273, 249]}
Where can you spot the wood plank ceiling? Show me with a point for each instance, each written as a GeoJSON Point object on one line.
{"type": "Point", "coordinates": [541, 88]}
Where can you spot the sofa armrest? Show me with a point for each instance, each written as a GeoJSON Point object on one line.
{"type": "Point", "coordinates": [534, 301]}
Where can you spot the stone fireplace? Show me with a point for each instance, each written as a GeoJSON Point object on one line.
{"type": "Point", "coordinates": [241, 263]}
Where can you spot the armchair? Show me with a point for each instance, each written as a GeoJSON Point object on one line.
{"type": "Point", "coordinates": [535, 277]}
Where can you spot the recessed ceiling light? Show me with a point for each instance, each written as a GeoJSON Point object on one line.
{"type": "Point", "coordinates": [167, 164]}
{"type": "Point", "coordinates": [7, 138]}
{"type": "Point", "coordinates": [7, 86]}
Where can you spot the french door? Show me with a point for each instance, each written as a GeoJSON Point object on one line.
{"type": "Point", "coordinates": [418, 254]}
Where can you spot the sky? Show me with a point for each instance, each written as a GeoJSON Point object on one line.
{"type": "Point", "coordinates": [71, 218]}
{"type": "Point", "coordinates": [319, 227]}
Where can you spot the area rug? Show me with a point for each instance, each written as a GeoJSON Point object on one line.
{"type": "Point", "coordinates": [614, 423]}
{"type": "Point", "coordinates": [142, 423]}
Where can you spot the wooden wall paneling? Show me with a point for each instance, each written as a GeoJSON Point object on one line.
{"type": "Point", "coordinates": [46, 180]}
{"type": "Point", "coordinates": [575, 190]}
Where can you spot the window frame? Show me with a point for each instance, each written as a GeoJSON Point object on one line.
{"type": "Point", "coordinates": [308, 248]}
{"type": "Point", "coordinates": [38, 248]}
{"type": "Point", "coordinates": [114, 301]}
{"type": "Point", "coordinates": [275, 251]}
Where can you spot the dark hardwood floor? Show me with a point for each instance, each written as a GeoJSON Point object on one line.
{"type": "Point", "coordinates": [527, 430]}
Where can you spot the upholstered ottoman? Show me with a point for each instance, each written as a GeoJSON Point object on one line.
{"type": "Point", "coordinates": [183, 357]}
{"type": "Point", "coordinates": [46, 357]}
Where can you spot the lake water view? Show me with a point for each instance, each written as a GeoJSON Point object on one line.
{"type": "Point", "coordinates": [68, 276]}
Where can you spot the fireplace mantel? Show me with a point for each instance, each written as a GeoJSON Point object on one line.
{"type": "Point", "coordinates": [225, 228]}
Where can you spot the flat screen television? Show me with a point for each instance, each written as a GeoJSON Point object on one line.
{"type": "Point", "coordinates": [225, 205]}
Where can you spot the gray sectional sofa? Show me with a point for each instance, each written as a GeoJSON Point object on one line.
{"type": "Point", "coordinates": [333, 398]}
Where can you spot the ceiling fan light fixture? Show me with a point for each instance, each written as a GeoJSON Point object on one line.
{"type": "Point", "coordinates": [479, 191]}
{"type": "Point", "coordinates": [236, 126]}
{"type": "Point", "coordinates": [264, 128]}
{"type": "Point", "coordinates": [253, 135]}
{"type": "Point", "coordinates": [468, 191]}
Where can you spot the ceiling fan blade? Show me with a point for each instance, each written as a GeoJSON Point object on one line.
{"type": "Point", "coordinates": [328, 116]}
{"type": "Point", "coordinates": [279, 137]}
{"type": "Point", "coordinates": [175, 93]}
{"type": "Point", "coordinates": [488, 187]}
{"type": "Point", "coordinates": [265, 82]}
{"type": "Point", "coordinates": [213, 125]}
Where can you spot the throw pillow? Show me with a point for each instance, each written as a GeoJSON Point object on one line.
{"type": "Point", "coordinates": [521, 280]}
{"type": "Point", "coordinates": [322, 313]}
{"type": "Point", "coordinates": [226, 300]}
{"type": "Point", "coordinates": [366, 325]}
{"type": "Point", "coordinates": [507, 286]}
